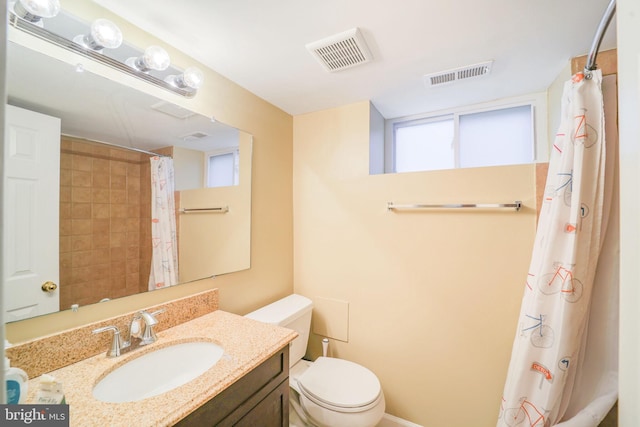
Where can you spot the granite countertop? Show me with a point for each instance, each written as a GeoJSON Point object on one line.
{"type": "Point", "coordinates": [246, 343]}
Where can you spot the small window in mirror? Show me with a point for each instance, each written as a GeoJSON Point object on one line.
{"type": "Point", "coordinates": [222, 168]}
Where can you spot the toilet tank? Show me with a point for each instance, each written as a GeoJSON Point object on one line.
{"type": "Point", "coordinates": [293, 312]}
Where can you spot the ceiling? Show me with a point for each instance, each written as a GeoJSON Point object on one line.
{"type": "Point", "coordinates": [96, 108]}
{"type": "Point", "coordinates": [260, 45]}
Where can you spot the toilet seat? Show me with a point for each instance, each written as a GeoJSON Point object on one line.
{"type": "Point", "coordinates": [340, 385]}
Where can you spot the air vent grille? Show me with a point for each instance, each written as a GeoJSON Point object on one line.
{"type": "Point", "coordinates": [341, 51]}
{"type": "Point", "coordinates": [194, 136]}
{"type": "Point", "coordinates": [173, 110]}
{"type": "Point", "coordinates": [462, 73]}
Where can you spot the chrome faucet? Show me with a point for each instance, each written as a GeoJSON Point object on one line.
{"type": "Point", "coordinates": [137, 336]}
{"type": "Point", "coordinates": [116, 344]}
{"type": "Point", "coordinates": [146, 334]}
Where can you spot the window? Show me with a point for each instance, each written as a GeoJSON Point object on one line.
{"type": "Point", "coordinates": [497, 137]}
{"type": "Point", "coordinates": [490, 136]}
{"type": "Point", "coordinates": [424, 145]}
{"type": "Point", "coordinates": [222, 168]}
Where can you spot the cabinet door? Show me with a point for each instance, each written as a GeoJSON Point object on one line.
{"type": "Point", "coordinates": [272, 411]}
{"type": "Point", "coordinates": [264, 390]}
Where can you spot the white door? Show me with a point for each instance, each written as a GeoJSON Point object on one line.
{"type": "Point", "coordinates": [31, 206]}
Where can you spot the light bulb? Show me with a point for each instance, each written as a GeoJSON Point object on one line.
{"type": "Point", "coordinates": [104, 33]}
{"type": "Point", "coordinates": [156, 58]}
{"type": "Point", "coordinates": [192, 78]}
{"type": "Point", "coordinates": [33, 10]}
{"type": "Point", "coordinates": [153, 58]}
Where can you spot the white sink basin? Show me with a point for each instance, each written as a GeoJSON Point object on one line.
{"type": "Point", "coordinates": [157, 372]}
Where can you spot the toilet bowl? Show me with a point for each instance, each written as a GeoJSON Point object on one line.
{"type": "Point", "coordinates": [329, 392]}
{"type": "Point", "coordinates": [334, 392]}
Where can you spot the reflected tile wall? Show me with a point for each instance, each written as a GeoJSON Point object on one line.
{"type": "Point", "coordinates": [105, 249]}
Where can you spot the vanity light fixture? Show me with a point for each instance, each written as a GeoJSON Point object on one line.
{"type": "Point", "coordinates": [152, 66]}
{"type": "Point", "coordinates": [103, 34]}
{"type": "Point", "coordinates": [153, 58]}
{"type": "Point", "coordinates": [34, 10]}
{"type": "Point", "coordinates": [191, 78]}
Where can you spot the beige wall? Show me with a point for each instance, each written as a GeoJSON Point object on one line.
{"type": "Point", "coordinates": [188, 166]}
{"type": "Point", "coordinates": [217, 242]}
{"type": "Point", "coordinates": [433, 297]}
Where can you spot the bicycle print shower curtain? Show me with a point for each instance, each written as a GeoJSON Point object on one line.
{"type": "Point", "coordinates": [164, 255]}
{"type": "Point", "coordinates": [554, 314]}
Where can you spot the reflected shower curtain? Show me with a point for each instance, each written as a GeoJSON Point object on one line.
{"type": "Point", "coordinates": [548, 356]}
{"type": "Point", "coordinates": [164, 256]}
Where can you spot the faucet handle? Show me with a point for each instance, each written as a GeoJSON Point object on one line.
{"type": "Point", "coordinates": [149, 318]}
{"type": "Point", "coordinates": [148, 334]}
{"type": "Point", "coordinates": [155, 313]}
{"type": "Point", "coordinates": [116, 343]}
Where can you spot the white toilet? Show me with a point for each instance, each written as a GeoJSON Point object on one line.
{"type": "Point", "coordinates": [329, 392]}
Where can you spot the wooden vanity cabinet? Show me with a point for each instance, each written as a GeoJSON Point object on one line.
{"type": "Point", "coordinates": [259, 398]}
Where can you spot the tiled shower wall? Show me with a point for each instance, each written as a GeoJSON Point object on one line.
{"type": "Point", "coordinates": [105, 242]}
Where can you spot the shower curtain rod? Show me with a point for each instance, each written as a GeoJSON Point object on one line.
{"type": "Point", "coordinates": [597, 39]}
{"type": "Point", "coordinates": [110, 144]}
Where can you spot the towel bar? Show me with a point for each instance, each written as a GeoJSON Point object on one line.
{"type": "Point", "coordinates": [515, 205]}
{"type": "Point", "coordinates": [221, 209]}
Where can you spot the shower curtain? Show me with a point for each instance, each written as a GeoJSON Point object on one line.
{"type": "Point", "coordinates": [164, 255]}
{"type": "Point", "coordinates": [551, 376]}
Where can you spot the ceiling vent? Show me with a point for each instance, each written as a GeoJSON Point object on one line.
{"type": "Point", "coordinates": [462, 73]}
{"type": "Point", "coordinates": [341, 51]}
{"type": "Point", "coordinates": [194, 136]}
{"type": "Point", "coordinates": [173, 110]}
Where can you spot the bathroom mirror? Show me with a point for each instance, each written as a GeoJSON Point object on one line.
{"type": "Point", "coordinates": [94, 108]}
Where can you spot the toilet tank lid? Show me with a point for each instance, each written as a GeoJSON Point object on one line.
{"type": "Point", "coordinates": [283, 310]}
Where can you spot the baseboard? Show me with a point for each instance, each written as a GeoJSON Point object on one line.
{"type": "Point", "coordinates": [391, 421]}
